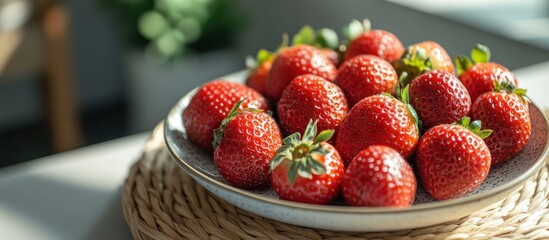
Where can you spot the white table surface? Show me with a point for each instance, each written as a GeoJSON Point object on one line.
{"type": "Point", "coordinates": [73, 195]}
{"type": "Point", "coordinates": [76, 195]}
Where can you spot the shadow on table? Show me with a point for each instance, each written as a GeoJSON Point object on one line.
{"type": "Point", "coordinates": [62, 210]}
{"type": "Point", "coordinates": [110, 224]}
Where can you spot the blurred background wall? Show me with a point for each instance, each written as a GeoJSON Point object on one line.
{"type": "Point", "coordinates": [119, 90]}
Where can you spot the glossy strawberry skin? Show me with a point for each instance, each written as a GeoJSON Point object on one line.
{"type": "Point", "coordinates": [439, 98]}
{"type": "Point", "coordinates": [379, 176]}
{"type": "Point", "coordinates": [438, 55]}
{"type": "Point", "coordinates": [311, 97]}
{"type": "Point", "coordinates": [249, 142]}
{"type": "Point", "coordinates": [479, 78]}
{"type": "Point", "coordinates": [293, 61]}
{"type": "Point", "coordinates": [377, 120]}
{"type": "Point", "coordinates": [509, 118]}
{"type": "Point", "coordinates": [320, 189]}
{"type": "Point", "coordinates": [257, 77]}
{"type": "Point", "coordinates": [211, 104]}
{"type": "Point", "coordinates": [364, 76]}
{"type": "Point", "coordinates": [332, 55]}
{"type": "Point", "coordinates": [452, 161]}
{"type": "Point", "coordinates": [379, 43]}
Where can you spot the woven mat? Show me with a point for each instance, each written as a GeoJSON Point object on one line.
{"type": "Point", "coordinates": [160, 201]}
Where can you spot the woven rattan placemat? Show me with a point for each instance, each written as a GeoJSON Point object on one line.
{"type": "Point", "coordinates": [160, 201]}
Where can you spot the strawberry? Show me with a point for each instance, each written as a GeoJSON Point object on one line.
{"type": "Point", "coordinates": [479, 75]}
{"type": "Point", "coordinates": [311, 97]}
{"type": "Point", "coordinates": [507, 114]}
{"type": "Point", "coordinates": [211, 104]}
{"type": "Point", "coordinates": [452, 159]}
{"type": "Point", "coordinates": [259, 70]}
{"type": "Point", "coordinates": [378, 120]}
{"type": "Point", "coordinates": [379, 43]}
{"type": "Point", "coordinates": [309, 169]}
{"type": "Point", "coordinates": [364, 76]}
{"type": "Point", "coordinates": [379, 176]}
{"type": "Point", "coordinates": [294, 61]}
{"type": "Point", "coordinates": [423, 57]}
{"type": "Point", "coordinates": [260, 67]}
{"type": "Point", "coordinates": [324, 39]}
{"type": "Point", "coordinates": [439, 98]}
{"type": "Point", "coordinates": [332, 55]}
{"type": "Point", "coordinates": [245, 143]}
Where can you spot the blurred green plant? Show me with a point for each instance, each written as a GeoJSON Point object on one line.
{"type": "Point", "coordinates": [171, 28]}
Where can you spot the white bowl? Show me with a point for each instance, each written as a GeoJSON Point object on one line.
{"type": "Point", "coordinates": [501, 181]}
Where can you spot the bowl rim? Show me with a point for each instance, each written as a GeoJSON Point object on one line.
{"type": "Point", "coordinates": [353, 209]}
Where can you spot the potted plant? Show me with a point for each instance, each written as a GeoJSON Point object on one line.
{"type": "Point", "coordinates": [173, 46]}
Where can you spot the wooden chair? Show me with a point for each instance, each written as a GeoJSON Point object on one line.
{"type": "Point", "coordinates": [43, 45]}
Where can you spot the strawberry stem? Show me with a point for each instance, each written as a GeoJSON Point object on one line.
{"type": "Point", "coordinates": [480, 54]}
{"type": "Point", "coordinates": [355, 28]}
{"type": "Point", "coordinates": [475, 127]}
{"type": "Point", "coordinates": [300, 151]}
{"type": "Point", "coordinates": [401, 84]}
{"type": "Point", "coordinates": [327, 38]}
{"type": "Point", "coordinates": [414, 62]}
{"type": "Point", "coordinates": [508, 87]}
{"type": "Point", "coordinates": [262, 56]}
{"type": "Point", "coordinates": [403, 96]}
{"type": "Point", "coordinates": [306, 36]}
{"type": "Point", "coordinates": [323, 38]}
{"type": "Point", "coordinates": [415, 116]}
{"type": "Point", "coordinates": [235, 111]}
{"type": "Point", "coordinates": [462, 63]}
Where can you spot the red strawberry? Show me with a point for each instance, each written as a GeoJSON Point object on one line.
{"type": "Point", "coordinates": [324, 39]}
{"type": "Point", "coordinates": [211, 104]}
{"type": "Point", "coordinates": [259, 70]}
{"type": "Point", "coordinates": [257, 77]}
{"type": "Point", "coordinates": [378, 120]}
{"type": "Point", "coordinates": [364, 76]}
{"type": "Point", "coordinates": [307, 170]}
{"type": "Point", "coordinates": [452, 160]}
{"type": "Point", "coordinates": [331, 54]}
{"type": "Point", "coordinates": [379, 43]}
{"type": "Point", "coordinates": [506, 113]}
{"type": "Point", "coordinates": [244, 145]}
{"type": "Point", "coordinates": [379, 176]}
{"type": "Point", "coordinates": [439, 98]}
{"type": "Point", "coordinates": [311, 97]}
{"type": "Point", "coordinates": [479, 77]}
{"type": "Point", "coordinates": [423, 57]}
{"type": "Point", "coordinates": [294, 61]}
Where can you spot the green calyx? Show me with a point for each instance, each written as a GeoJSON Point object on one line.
{"type": "Point", "coordinates": [508, 87]}
{"type": "Point", "coordinates": [402, 90]}
{"type": "Point", "coordinates": [415, 61]}
{"type": "Point", "coordinates": [235, 111]}
{"type": "Point", "coordinates": [322, 38]}
{"type": "Point", "coordinates": [355, 28]}
{"type": "Point", "coordinates": [403, 95]}
{"type": "Point", "coordinates": [301, 152]}
{"type": "Point", "coordinates": [327, 38]}
{"type": "Point", "coordinates": [264, 55]}
{"type": "Point", "coordinates": [479, 54]}
{"type": "Point", "coordinates": [474, 127]}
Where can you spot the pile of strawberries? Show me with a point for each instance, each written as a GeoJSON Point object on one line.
{"type": "Point", "coordinates": [364, 118]}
